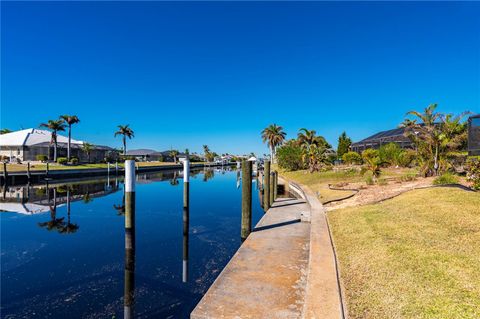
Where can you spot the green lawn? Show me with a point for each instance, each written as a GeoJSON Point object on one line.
{"type": "Point", "coordinates": [414, 256]}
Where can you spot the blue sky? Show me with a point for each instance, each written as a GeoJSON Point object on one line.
{"type": "Point", "coordinates": [187, 74]}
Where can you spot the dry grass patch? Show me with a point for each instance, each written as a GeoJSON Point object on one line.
{"type": "Point", "coordinates": [414, 256]}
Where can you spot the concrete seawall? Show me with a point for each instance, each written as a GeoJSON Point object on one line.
{"type": "Point", "coordinates": [285, 269]}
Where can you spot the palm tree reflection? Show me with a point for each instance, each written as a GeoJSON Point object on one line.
{"type": "Point", "coordinates": [69, 228]}
{"type": "Point", "coordinates": [54, 223]}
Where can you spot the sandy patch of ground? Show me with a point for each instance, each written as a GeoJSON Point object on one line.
{"type": "Point", "coordinates": [374, 193]}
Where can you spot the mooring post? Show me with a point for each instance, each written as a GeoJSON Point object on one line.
{"type": "Point", "coordinates": [28, 172]}
{"type": "Point", "coordinates": [116, 168]}
{"type": "Point", "coordinates": [275, 185]}
{"type": "Point", "coordinates": [246, 199]}
{"type": "Point", "coordinates": [266, 186]}
{"type": "Point", "coordinates": [46, 170]}
{"type": "Point", "coordinates": [129, 286]}
{"type": "Point", "coordinates": [270, 194]}
{"type": "Point", "coordinates": [186, 216]}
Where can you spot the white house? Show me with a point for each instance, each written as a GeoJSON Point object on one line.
{"type": "Point", "coordinates": [25, 145]}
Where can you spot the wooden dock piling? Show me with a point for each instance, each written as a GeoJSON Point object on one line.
{"type": "Point", "coordinates": [270, 193]}
{"type": "Point", "coordinates": [246, 199]}
{"type": "Point", "coordinates": [266, 186]}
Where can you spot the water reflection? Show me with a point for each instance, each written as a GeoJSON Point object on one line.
{"type": "Point", "coordinates": [95, 277]}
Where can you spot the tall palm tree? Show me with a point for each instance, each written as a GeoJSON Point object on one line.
{"type": "Point", "coordinates": [54, 126]}
{"type": "Point", "coordinates": [174, 154]}
{"type": "Point", "coordinates": [274, 136]}
{"type": "Point", "coordinates": [87, 148]}
{"type": "Point", "coordinates": [5, 131]}
{"type": "Point", "coordinates": [125, 131]}
{"type": "Point", "coordinates": [70, 120]}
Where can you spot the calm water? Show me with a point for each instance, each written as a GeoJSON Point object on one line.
{"type": "Point", "coordinates": [60, 265]}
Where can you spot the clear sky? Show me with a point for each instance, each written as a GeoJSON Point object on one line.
{"type": "Point", "coordinates": [187, 74]}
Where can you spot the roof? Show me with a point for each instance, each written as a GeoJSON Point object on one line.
{"type": "Point", "coordinates": [36, 137]}
{"type": "Point", "coordinates": [384, 134]}
{"type": "Point", "coordinates": [32, 136]}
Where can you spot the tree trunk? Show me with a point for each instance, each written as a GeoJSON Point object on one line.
{"type": "Point", "coordinates": [69, 141]}
{"type": "Point", "coordinates": [55, 150]}
{"type": "Point", "coordinates": [271, 153]}
{"type": "Point", "coordinates": [124, 145]}
{"type": "Point", "coordinates": [435, 165]}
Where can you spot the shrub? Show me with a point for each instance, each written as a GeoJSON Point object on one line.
{"type": "Point", "coordinates": [62, 160]}
{"type": "Point", "coordinates": [369, 153]}
{"type": "Point", "coordinates": [408, 177]}
{"type": "Point", "coordinates": [369, 179]}
{"type": "Point", "coordinates": [391, 154]}
{"type": "Point", "coordinates": [41, 158]}
{"type": "Point", "coordinates": [289, 157]}
{"type": "Point", "coordinates": [473, 171]}
{"type": "Point", "coordinates": [446, 178]}
{"type": "Point", "coordinates": [352, 158]}
{"type": "Point", "coordinates": [74, 161]}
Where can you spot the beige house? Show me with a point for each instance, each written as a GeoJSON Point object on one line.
{"type": "Point", "coordinates": [25, 145]}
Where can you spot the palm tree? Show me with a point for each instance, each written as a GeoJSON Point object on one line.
{"type": "Point", "coordinates": [5, 131]}
{"type": "Point", "coordinates": [54, 126]}
{"type": "Point", "coordinates": [273, 135]}
{"type": "Point", "coordinates": [70, 120]}
{"type": "Point", "coordinates": [126, 132]}
{"type": "Point", "coordinates": [429, 134]}
{"type": "Point", "coordinates": [313, 148]}
{"type": "Point", "coordinates": [87, 148]}
{"type": "Point", "coordinates": [206, 151]}
{"type": "Point", "coordinates": [174, 154]}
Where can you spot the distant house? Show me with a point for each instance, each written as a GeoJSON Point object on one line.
{"type": "Point", "coordinates": [381, 138]}
{"type": "Point", "coordinates": [474, 135]}
{"type": "Point", "coordinates": [145, 155]}
{"type": "Point", "coordinates": [25, 145]}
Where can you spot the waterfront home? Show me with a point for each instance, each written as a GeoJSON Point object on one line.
{"type": "Point", "coordinates": [377, 140]}
{"type": "Point", "coordinates": [25, 145]}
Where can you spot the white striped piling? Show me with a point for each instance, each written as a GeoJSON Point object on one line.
{"type": "Point", "coordinates": [129, 286]}
{"type": "Point", "coordinates": [186, 217]}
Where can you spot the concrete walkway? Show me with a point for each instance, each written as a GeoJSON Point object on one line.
{"type": "Point", "coordinates": [267, 276]}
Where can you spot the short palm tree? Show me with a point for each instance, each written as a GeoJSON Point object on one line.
{"type": "Point", "coordinates": [125, 131]}
{"type": "Point", "coordinates": [54, 126]}
{"type": "Point", "coordinates": [313, 148]}
{"type": "Point", "coordinates": [274, 136]}
{"type": "Point", "coordinates": [5, 131]}
{"type": "Point", "coordinates": [87, 148]}
{"type": "Point", "coordinates": [70, 120]}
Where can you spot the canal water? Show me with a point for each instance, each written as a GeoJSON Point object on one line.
{"type": "Point", "coordinates": [63, 245]}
